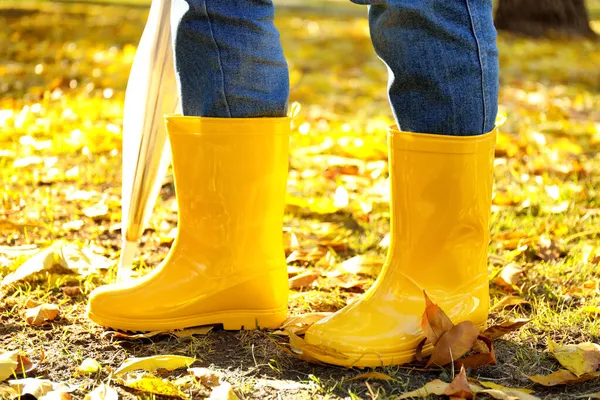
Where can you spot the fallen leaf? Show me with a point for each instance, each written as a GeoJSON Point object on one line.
{"type": "Point", "coordinates": [82, 261]}
{"type": "Point", "coordinates": [459, 387]}
{"type": "Point", "coordinates": [509, 276]}
{"type": "Point", "coordinates": [223, 392]}
{"type": "Point", "coordinates": [41, 314]}
{"type": "Point", "coordinates": [454, 344]}
{"type": "Point", "coordinates": [481, 358]}
{"type": "Point", "coordinates": [74, 225]}
{"type": "Point", "coordinates": [152, 363]}
{"type": "Point", "coordinates": [97, 211]}
{"type": "Point", "coordinates": [37, 263]}
{"type": "Point", "coordinates": [32, 386]}
{"type": "Point", "coordinates": [207, 377]}
{"type": "Point", "coordinates": [298, 346]}
{"type": "Point", "coordinates": [123, 335]}
{"type": "Point", "coordinates": [492, 385]}
{"type": "Point", "coordinates": [369, 265]}
{"type": "Point", "coordinates": [592, 311]}
{"type": "Point", "coordinates": [300, 323]}
{"type": "Point", "coordinates": [562, 377]}
{"type": "Point", "coordinates": [580, 359]}
{"type": "Point", "coordinates": [303, 280]}
{"type": "Point", "coordinates": [102, 392]}
{"type": "Point", "coordinates": [6, 392]}
{"type": "Point", "coordinates": [151, 384]}
{"type": "Point", "coordinates": [589, 396]}
{"type": "Point", "coordinates": [434, 322]}
{"type": "Point", "coordinates": [496, 331]}
{"type": "Point", "coordinates": [9, 363]}
{"type": "Point", "coordinates": [56, 395]}
{"type": "Point", "coordinates": [89, 366]}
{"type": "Point", "coordinates": [372, 375]}
{"type": "Point", "coordinates": [201, 330]}
{"type": "Point", "coordinates": [436, 387]}
{"type": "Point", "coordinates": [508, 394]}
{"type": "Point", "coordinates": [508, 301]}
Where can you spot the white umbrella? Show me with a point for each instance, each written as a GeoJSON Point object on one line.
{"type": "Point", "coordinates": [151, 93]}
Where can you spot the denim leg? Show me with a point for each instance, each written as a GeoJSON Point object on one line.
{"type": "Point", "coordinates": [228, 58]}
{"type": "Point", "coordinates": [442, 60]}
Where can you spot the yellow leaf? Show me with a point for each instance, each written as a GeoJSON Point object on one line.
{"type": "Point", "coordinates": [508, 301]}
{"type": "Point", "coordinates": [562, 377]}
{"type": "Point", "coordinates": [89, 366]}
{"type": "Point", "coordinates": [372, 375]}
{"type": "Point", "coordinates": [223, 392]}
{"type": "Point", "coordinates": [41, 314]}
{"type": "Point", "coordinates": [168, 362]}
{"type": "Point", "coordinates": [436, 387]}
{"type": "Point", "coordinates": [151, 384]}
{"type": "Point", "coordinates": [508, 394]}
{"type": "Point", "coordinates": [102, 392]}
{"type": "Point", "coordinates": [363, 265]}
{"type": "Point", "coordinates": [300, 323]}
{"type": "Point", "coordinates": [37, 263]}
{"type": "Point", "coordinates": [580, 359]}
{"type": "Point", "coordinates": [8, 364]}
{"type": "Point", "coordinates": [304, 280]}
{"type": "Point", "coordinates": [492, 385]}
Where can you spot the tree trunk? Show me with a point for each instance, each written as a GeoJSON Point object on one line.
{"type": "Point", "coordinates": [544, 17]}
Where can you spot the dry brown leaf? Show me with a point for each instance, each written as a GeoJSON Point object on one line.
{"type": "Point", "coordinates": [454, 344]}
{"type": "Point", "coordinates": [434, 322]}
{"type": "Point", "coordinates": [459, 387]}
{"type": "Point", "coordinates": [509, 276]}
{"type": "Point", "coordinates": [372, 375]}
{"type": "Point", "coordinates": [562, 377]}
{"type": "Point", "coordinates": [580, 359]}
{"type": "Point", "coordinates": [41, 314]}
{"type": "Point", "coordinates": [508, 301]}
{"type": "Point", "coordinates": [223, 392]}
{"type": "Point", "coordinates": [304, 280]}
{"type": "Point", "coordinates": [496, 331]}
{"type": "Point", "coordinates": [485, 355]}
{"type": "Point", "coordinates": [298, 346]}
{"type": "Point", "coordinates": [207, 377]}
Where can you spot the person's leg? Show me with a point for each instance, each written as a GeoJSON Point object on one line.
{"type": "Point", "coordinates": [229, 59]}
{"type": "Point", "coordinates": [443, 63]}
{"type": "Point", "coordinates": [443, 68]}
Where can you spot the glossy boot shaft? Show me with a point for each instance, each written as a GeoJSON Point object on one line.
{"type": "Point", "coordinates": [227, 264]}
{"type": "Point", "coordinates": [440, 206]}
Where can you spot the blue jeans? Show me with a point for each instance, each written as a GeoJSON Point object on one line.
{"type": "Point", "coordinates": [441, 56]}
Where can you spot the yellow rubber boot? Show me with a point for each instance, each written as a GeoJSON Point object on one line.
{"type": "Point", "coordinates": [440, 205]}
{"type": "Point", "coordinates": [227, 265]}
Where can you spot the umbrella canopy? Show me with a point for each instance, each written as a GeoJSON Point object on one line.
{"type": "Point", "coordinates": [151, 93]}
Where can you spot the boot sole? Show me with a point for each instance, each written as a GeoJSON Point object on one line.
{"type": "Point", "coordinates": [369, 360]}
{"type": "Point", "coordinates": [373, 360]}
{"type": "Point", "coordinates": [230, 320]}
